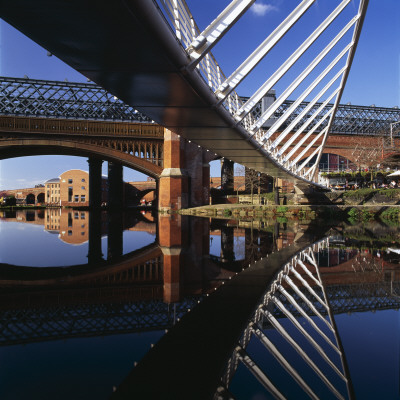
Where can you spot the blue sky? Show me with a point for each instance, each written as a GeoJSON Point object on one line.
{"type": "Point", "coordinates": [374, 77]}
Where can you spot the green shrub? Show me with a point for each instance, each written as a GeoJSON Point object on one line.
{"type": "Point", "coordinates": [390, 213]}
{"type": "Point", "coordinates": [227, 213]}
{"type": "Point", "coordinates": [281, 209]}
{"type": "Point", "coordinates": [282, 220]}
{"type": "Point", "coordinates": [353, 213]}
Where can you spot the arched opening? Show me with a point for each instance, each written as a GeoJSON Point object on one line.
{"type": "Point", "coordinates": [40, 198]}
{"type": "Point", "coordinates": [330, 162]}
{"type": "Point", "coordinates": [30, 198]}
{"type": "Point", "coordinates": [52, 187]}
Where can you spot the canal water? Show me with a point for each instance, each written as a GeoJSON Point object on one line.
{"type": "Point", "coordinates": [97, 305]}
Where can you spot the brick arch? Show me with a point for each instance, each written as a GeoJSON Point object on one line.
{"type": "Point", "coordinates": [40, 197]}
{"type": "Point", "coordinates": [30, 198]}
{"type": "Point", "coordinates": [30, 147]}
{"type": "Point", "coordinates": [346, 153]}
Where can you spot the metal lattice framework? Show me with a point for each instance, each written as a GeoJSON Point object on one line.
{"type": "Point", "coordinates": [319, 331]}
{"type": "Point", "coordinates": [349, 119]}
{"type": "Point", "coordinates": [79, 320]}
{"type": "Point", "coordinates": [53, 99]}
{"type": "Point", "coordinates": [199, 43]}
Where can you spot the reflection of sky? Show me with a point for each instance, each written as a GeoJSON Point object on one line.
{"type": "Point", "coordinates": [30, 245]}
{"type": "Point", "coordinates": [238, 246]}
{"type": "Point", "coordinates": [89, 369]}
{"type": "Point", "coordinates": [215, 245]}
{"type": "Point", "coordinates": [371, 343]}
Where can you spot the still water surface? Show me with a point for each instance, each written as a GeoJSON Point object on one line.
{"type": "Point", "coordinates": [97, 306]}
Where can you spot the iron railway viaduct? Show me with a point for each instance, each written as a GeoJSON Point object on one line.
{"type": "Point", "coordinates": [40, 117]}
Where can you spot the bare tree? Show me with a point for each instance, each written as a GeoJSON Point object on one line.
{"type": "Point", "coordinates": [252, 180]}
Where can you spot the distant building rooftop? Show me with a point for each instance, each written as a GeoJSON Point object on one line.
{"type": "Point", "coordinates": [54, 180]}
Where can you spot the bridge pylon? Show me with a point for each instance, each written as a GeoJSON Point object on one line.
{"type": "Point", "coordinates": [173, 186]}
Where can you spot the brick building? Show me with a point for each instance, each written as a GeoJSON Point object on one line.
{"type": "Point", "coordinates": [74, 188]}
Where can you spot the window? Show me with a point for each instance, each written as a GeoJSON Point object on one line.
{"type": "Point", "coordinates": [83, 215]}
{"type": "Point", "coordinates": [83, 187]}
{"type": "Point", "coordinates": [76, 197]}
{"type": "Point", "coordinates": [70, 193]}
{"type": "Point", "coordinates": [69, 233]}
{"type": "Point", "coordinates": [76, 216]}
{"type": "Point", "coordinates": [83, 179]}
{"type": "Point", "coordinates": [83, 197]}
{"type": "Point", "coordinates": [69, 219]}
{"type": "Point", "coordinates": [69, 180]}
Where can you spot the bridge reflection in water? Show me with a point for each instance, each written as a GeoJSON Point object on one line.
{"type": "Point", "coordinates": [261, 304]}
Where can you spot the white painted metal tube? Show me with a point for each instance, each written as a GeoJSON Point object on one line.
{"type": "Point", "coordinates": [308, 302]}
{"type": "Point", "coordinates": [308, 287]}
{"type": "Point", "coordinates": [307, 317]}
{"type": "Point", "coordinates": [277, 75]}
{"type": "Point", "coordinates": [284, 363]}
{"type": "Point", "coordinates": [307, 271]}
{"type": "Point", "coordinates": [287, 92]}
{"type": "Point", "coordinates": [204, 42]}
{"type": "Point", "coordinates": [302, 353]}
{"type": "Point", "coordinates": [309, 89]}
{"type": "Point", "coordinates": [314, 152]}
{"type": "Point", "coordinates": [295, 135]}
{"type": "Point", "coordinates": [259, 374]}
{"type": "Point", "coordinates": [314, 128]}
{"type": "Point", "coordinates": [310, 339]}
{"type": "Point", "coordinates": [262, 50]}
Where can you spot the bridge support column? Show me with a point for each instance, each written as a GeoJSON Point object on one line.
{"type": "Point", "coordinates": [94, 252]}
{"type": "Point", "coordinates": [115, 185]}
{"type": "Point", "coordinates": [173, 185]}
{"type": "Point", "coordinates": [206, 183]}
{"type": "Point", "coordinates": [170, 240]}
{"type": "Point", "coordinates": [227, 247]}
{"type": "Point", "coordinates": [95, 182]}
{"type": "Point", "coordinates": [115, 235]}
{"type": "Point", "coordinates": [227, 176]}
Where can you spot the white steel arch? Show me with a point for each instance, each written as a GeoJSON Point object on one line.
{"type": "Point", "coordinates": [278, 140]}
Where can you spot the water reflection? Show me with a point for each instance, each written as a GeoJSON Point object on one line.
{"type": "Point", "coordinates": [208, 308]}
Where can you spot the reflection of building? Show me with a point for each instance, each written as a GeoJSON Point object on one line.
{"type": "Point", "coordinates": [72, 226]}
{"type": "Point", "coordinates": [52, 219]}
{"type": "Point", "coordinates": [52, 193]}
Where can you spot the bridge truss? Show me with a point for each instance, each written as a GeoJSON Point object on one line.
{"type": "Point", "coordinates": [317, 114]}
{"type": "Point", "coordinates": [88, 101]}
{"type": "Point", "coordinates": [297, 312]}
{"type": "Point", "coordinates": [72, 100]}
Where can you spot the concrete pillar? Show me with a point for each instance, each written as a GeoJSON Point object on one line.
{"type": "Point", "coordinates": [173, 185]}
{"type": "Point", "coordinates": [115, 235]}
{"type": "Point", "coordinates": [94, 252]}
{"type": "Point", "coordinates": [227, 175]}
{"type": "Point", "coordinates": [115, 185]}
{"type": "Point", "coordinates": [95, 195]}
